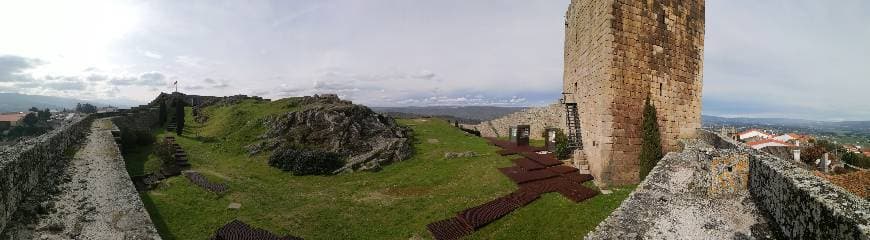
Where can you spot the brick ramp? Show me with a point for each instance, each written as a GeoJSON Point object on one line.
{"type": "Point", "coordinates": [199, 180]}
{"type": "Point", "coordinates": [535, 174]}
{"type": "Point", "coordinates": [237, 230]}
{"type": "Point", "coordinates": [482, 215]}
{"type": "Point", "coordinates": [519, 175]}
{"type": "Point", "coordinates": [527, 164]}
{"type": "Point", "coordinates": [449, 229]}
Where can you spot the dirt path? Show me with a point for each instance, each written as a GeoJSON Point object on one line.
{"type": "Point", "coordinates": [99, 200]}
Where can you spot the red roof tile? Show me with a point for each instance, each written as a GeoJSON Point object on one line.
{"type": "Point", "coordinates": [11, 117]}
{"type": "Point", "coordinates": [769, 140]}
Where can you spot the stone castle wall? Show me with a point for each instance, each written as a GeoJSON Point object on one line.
{"type": "Point", "coordinates": [619, 53]}
{"type": "Point", "coordinates": [803, 205]}
{"type": "Point", "coordinates": [538, 118]}
{"type": "Point", "coordinates": [24, 167]}
{"type": "Point", "coordinates": [786, 199]}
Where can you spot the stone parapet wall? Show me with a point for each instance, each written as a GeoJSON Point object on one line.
{"type": "Point", "coordinates": [686, 196]}
{"type": "Point", "coordinates": [803, 205]}
{"type": "Point", "coordinates": [538, 118]}
{"type": "Point", "coordinates": [795, 203]}
{"type": "Point", "coordinates": [143, 120]}
{"type": "Point", "coordinates": [806, 206]}
{"type": "Point", "coordinates": [24, 166]}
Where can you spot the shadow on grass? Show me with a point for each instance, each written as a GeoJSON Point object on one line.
{"type": "Point", "coordinates": [136, 158]}
{"type": "Point", "coordinates": [156, 217]}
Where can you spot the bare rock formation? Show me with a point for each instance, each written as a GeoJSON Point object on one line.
{"type": "Point", "coordinates": [368, 140]}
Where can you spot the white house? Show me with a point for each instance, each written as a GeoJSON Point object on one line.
{"type": "Point", "coordinates": [769, 143]}
{"type": "Point", "coordinates": [789, 138]}
{"type": "Point", "coordinates": [751, 133]}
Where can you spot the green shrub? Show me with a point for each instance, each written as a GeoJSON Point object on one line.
{"type": "Point", "coordinates": [306, 162]}
{"type": "Point", "coordinates": [856, 159]}
{"type": "Point", "coordinates": [144, 137]}
{"type": "Point", "coordinates": [562, 150]}
{"type": "Point", "coordinates": [651, 144]}
{"type": "Point", "coordinates": [165, 152]}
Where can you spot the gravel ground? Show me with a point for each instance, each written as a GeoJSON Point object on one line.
{"type": "Point", "coordinates": [96, 199]}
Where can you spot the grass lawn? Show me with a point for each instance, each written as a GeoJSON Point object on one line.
{"type": "Point", "coordinates": [395, 203]}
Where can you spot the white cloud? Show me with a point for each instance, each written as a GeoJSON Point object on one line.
{"type": "Point", "coordinates": [152, 55]}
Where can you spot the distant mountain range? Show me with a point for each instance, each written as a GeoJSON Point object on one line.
{"type": "Point", "coordinates": [854, 126]}
{"type": "Point", "coordinates": [15, 102]}
{"type": "Point", "coordinates": [465, 114]}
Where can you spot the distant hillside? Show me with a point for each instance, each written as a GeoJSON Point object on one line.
{"type": "Point", "coordinates": [462, 113]}
{"type": "Point", "coordinates": [14, 102]}
{"type": "Point", "coordinates": [848, 128]}
{"type": "Point", "coordinates": [787, 122]}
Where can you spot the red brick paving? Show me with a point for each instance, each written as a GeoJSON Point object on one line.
{"type": "Point", "coordinates": [578, 177]}
{"type": "Point", "coordinates": [535, 174]}
{"type": "Point", "coordinates": [548, 160]}
{"type": "Point", "coordinates": [518, 175]}
{"type": "Point", "coordinates": [527, 164]}
{"type": "Point", "coordinates": [562, 169]}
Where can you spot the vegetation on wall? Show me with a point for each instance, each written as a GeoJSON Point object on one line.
{"type": "Point", "coordinates": [562, 149]}
{"type": "Point", "coordinates": [86, 108]}
{"type": "Point", "coordinates": [162, 117]}
{"type": "Point", "coordinates": [179, 117]}
{"type": "Point", "coordinates": [820, 147]}
{"type": "Point", "coordinates": [651, 144]}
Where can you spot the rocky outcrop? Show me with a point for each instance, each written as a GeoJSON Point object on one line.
{"type": "Point", "coordinates": [366, 139]}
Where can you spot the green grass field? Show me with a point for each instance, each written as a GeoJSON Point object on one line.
{"type": "Point", "coordinates": [395, 203]}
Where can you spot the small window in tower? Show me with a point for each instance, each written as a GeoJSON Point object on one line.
{"type": "Point", "coordinates": [575, 86]}
{"type": "Point", "coordinates": [661, 92]}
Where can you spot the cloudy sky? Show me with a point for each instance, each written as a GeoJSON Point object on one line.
{"type": "Point", "coordinates": [803, 59]}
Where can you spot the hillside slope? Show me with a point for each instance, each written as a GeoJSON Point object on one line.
{"type": "Point", "coordinates": [395, 203]}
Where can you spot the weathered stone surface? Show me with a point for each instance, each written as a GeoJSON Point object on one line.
{"type": "Point", "coordinates": [327, 123]}
{"type": "Point", "coordinates": [673, 203]}
{"type": "Point", "coordinates": [677, 201]}
{"type": "Point", "coordinates": [617, 54]}
{"type": "Point", "coordinates": [27, 166]}
{"type": "Point", "coordinates": [95, 198]}
{"type": "Point", "coordinates": [538, 118]}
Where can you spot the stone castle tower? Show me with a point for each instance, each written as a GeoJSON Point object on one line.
{"type": "Point", "coordinates": [617, 54]}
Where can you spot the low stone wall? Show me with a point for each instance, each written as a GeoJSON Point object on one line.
{"type": "Point", "coordinates": [538, 118]}
{"type": "Point", "coordinates": [804, 205]}
{"type": "Point", "coordinates": [24, 166]}
{"type": "Point", "coordinates": [143, 120]}
{"type": "Point", "coordinates": [797, 204]}
{"type": "Point", "coordinates": [699, 193]}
